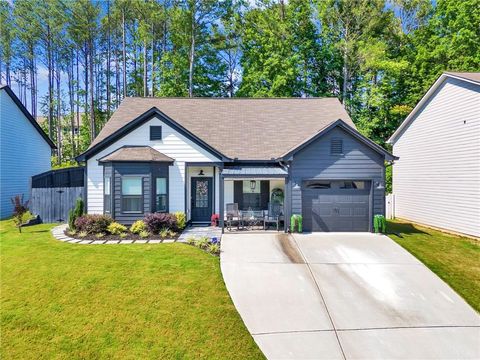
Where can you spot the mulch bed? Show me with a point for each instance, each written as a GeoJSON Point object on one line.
{"type": "Point", "coordinates": [130, 236]}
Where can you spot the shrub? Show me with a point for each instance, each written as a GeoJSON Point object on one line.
{"type": "Point", "coordinates": [171, 234]}
{"type": "Point", "coordinates": [138, 226]}
{"type": "Point", "coordinates": [214, 249]}
{"type": "Point", "coordinates": [93, 224]}
{"type": "Point", "coordinates": [163, 233]}
{"type": "Point", "coordinates": [19, 209]}
{"type": "Point", "coordinates": [116, 228]}
{"type": "Point", "coordinates": [123, 235]}
{"type": "Point", "coordinates": [181, 220]}
{"type": "Point", "coordinates": [72, 232]}
{"type": "Point", "coordinates": [144, 234]}
{"type": "Point", "coordinates": [191, 240]}
{"type": "Point", "coordinates": [75, 213]}
{"type": "Point", "coordinates": [157, 221]}
{"type": "Point", "coordinates": [202, 242]}
{"type": "Point", "coordinates": [99, 235]}
{"type": "Point", "coordinates": [82, 234]}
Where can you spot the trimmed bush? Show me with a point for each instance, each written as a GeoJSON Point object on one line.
{"type": "Point", "coordinates": [181, 220]}
{"type": "Point", "coordinates": [138, 226]}
{"type": "Point", "coordinates": [116, 228]}
{"type": "Point", "coordinates": [157, 221]}
{"type": "Point", "coordinates": [93, 224]}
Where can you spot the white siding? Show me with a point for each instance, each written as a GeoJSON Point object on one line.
{"type": "Point", "coordinates": [436, 181]}
{"type": "Point", "coordinates": [23, 153]}
{"type": "Point", "coordinates": [173, 144]}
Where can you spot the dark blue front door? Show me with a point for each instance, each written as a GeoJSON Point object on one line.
{"type": "Point", "coordinates": [202, 199]}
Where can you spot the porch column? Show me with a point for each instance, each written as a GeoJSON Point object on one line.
{"type": "Point", "coordinates": [221, 199]}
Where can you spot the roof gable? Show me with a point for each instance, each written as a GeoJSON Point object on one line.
{"type": "Point", "coordinates": [245, 129]}
{"type": "Point", "coordinates": [25, 112]}
{"type": "Point", "coordinates": [470, 77]}
{"type": "Point", "coordinates": [353, 132]}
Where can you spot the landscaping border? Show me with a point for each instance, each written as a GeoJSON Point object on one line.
{"type": "Point", "coordinates": [58, 233]}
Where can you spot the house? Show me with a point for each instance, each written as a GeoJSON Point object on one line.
{"type": "Point", "coordinates": [198, 155]}
{"type": "Point", "coordinates": [436, 181]}
{"type": "Point", "coordinates": [25, 150]}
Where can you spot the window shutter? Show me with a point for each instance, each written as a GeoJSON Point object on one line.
{"type": "Point", "coordinates": [264, 194]}
{"type": "Point", "coordinates": [336, 147]}
{"type": "Point", "coordinates": [238, 193]}
{"type": "Point", "coordinates": [155, 133]}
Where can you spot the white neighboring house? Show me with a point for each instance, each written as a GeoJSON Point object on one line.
{"type": "Point", "coordinates": [25, 150]}
{"type": "Point", "coordinates": [436, 180]}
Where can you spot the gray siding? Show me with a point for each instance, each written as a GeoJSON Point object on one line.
{"type": "Point", "coordinates": [358, 162]}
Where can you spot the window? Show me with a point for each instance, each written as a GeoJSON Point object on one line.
{"type": "Point", "coordinates": [155, 133]}
{"type": "Point", "coordinates": [314, 184]}
{"type": "Point", "coordinates": [336, 147]}
{"type": "Point", "coordinates": [360, 185]}
{"type": "Point", "coordinates": [251, 195]}
{"type": "Point", "coordinates": [132, 194]}
{"type": "Point", "coordinates": [201, 194]}
{"type": "Point", "coordinates": [107, 194]}
{"type": "Point", "coordinates": [161, 195]}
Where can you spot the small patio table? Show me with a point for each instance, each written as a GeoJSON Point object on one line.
{"type": "Point", "coordinates": [252, 218]}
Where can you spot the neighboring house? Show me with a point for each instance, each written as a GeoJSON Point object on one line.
{"type": "Point", "coordinates": [25, 150]}
{"type": "Point", "coordinates": [197, 155]}
{"type": "Point", "coordinates": [436, 181]}
{"type": "Point", "coordinates": [66, 121]}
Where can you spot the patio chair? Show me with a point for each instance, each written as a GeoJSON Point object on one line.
{"type": "Point", "coordinates": [273, 215]}
{"type": "Point", "coordinates": [232, 214]}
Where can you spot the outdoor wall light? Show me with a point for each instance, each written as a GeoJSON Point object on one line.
{"type": "Point", "coordinates": [201, 172]}
{"type": "Point", "coordinates": [296, 187]}
{"type": "Point", "coordinates": [379, 185]}
{"type": "Point", "coordinates": [253, 185]}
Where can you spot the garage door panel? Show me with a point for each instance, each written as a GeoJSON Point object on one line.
{"type": "Point", "coordinates": [336, 209]}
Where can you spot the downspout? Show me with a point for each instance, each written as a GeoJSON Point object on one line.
{"type": "Point", "coordinates": [287, 199]}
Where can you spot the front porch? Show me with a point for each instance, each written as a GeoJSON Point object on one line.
{"type": "Point", "coordinates": [244, 198]}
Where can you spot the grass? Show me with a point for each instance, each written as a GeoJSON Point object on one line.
{"type": "Point", "coordinates": [67, 301]}
{"type": "Point", "coordinates": [453, 258]}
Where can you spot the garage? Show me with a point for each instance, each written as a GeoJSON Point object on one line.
{"type": "Point", "coordinates": [336, 205]}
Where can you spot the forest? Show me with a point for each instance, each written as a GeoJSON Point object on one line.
{"type": "Point", "coordinates": [377, 56]}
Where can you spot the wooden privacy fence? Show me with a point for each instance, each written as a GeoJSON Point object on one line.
{"type": "Point", "coordinates": [55, 192]}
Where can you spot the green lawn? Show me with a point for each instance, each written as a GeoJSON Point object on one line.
{"type": "Point", "coordinates": [67, 301]}
{"type": "Point", "coordinates": [455, 259]}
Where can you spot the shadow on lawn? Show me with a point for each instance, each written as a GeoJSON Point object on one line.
{"type": "Point", "coordinates": [399, 229]}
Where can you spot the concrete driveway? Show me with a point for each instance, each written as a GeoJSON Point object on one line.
{"type": "Point", "coordinates": [344, 296]}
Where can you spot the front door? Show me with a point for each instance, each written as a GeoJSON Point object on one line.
{"type": "Point", "coordinates": [202, 199]}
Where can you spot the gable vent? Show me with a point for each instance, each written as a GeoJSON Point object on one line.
{"type": "Point", "coordinates": [155, 133]}
{"type": "Point", "coordinates": [336, 147]}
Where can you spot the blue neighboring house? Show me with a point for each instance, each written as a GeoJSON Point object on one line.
{"type": "Point", "coordinates": [25, 150]}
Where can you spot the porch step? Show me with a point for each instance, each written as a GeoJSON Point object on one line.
{"type": "Point", "coordinates": [200, 223]}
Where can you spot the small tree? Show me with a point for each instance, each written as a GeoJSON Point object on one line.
{"type": "Point", "coordinates": [75, 213]}
{"type": "Point", "coordinates": [20, 208]}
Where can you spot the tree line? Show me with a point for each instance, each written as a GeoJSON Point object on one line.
{"type": "Point", "coordinates": [377, 56]}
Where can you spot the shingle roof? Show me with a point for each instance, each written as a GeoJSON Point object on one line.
{"type": "Point", "coordinates": [247, 129]}
{"type": "Point", "coordinates": [473, 76]}
{"type": "Point", "coordinates": [136, 153]}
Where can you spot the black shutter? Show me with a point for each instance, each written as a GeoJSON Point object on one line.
{"type": "Point", "coordinates": [264, 194]}
{"type": "Point", "coordinates": [238, 193]}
